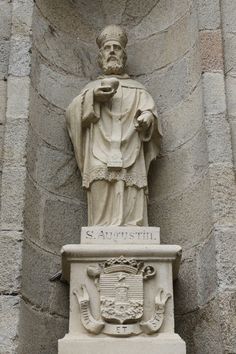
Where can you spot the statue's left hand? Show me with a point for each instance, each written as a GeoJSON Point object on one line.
{"type": "Point", "coordinates": [144, 121]}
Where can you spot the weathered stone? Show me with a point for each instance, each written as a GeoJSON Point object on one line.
{"type": "Point", "coordinates": [18, 104]}
{"type": "Point", "coordinates": [163, 15]}
{"type": "Point", "coordinates": [231, 96]}
{"type": "Point", "coordinates": [39, 266]}
{"type": "Point", "coordinates": [201, 329]}
{"type": "Point", "coordinates": [9, 308]}
{"type": "Point", "coordinates": [214, 93]}
{"type": "Point", "coordinates": [206, 276]}
{"type": "Point", "coordinates": [211, 50]}
{"type": "Point", "coordinates": [64, 50]}
{"type": "Point", "coordinates": [49, 122]}
{"type": "Point", "coordinates": [228, 14]}
{"type": "Point", "coordinates": [226, 257]}
{"type": "Point", "coordinates": [164, 47]}
{"type": "Point", "coordinates": [209, 14]}
{"type": "Point", "coordinates": [183, 122]}
{"type": "Point", "coordinates": [15, 142]}
{"type": "Point", "coordinates": [175, 172]}
{"type": "Point", "coordinates": [227, 305]}
{"type": "Point", "coordinates": [230, 51]}
{"type": "Point", "coordinates": [10, 263]}
{"type": "Point", "coordinates": [5, 19]}
{"type": "Point", "coordinates": [173, 84]}
{"type": "Point", "coordinates": [186, 286]}
{"type": "Point", "coordinates": [219, 139]}
{"type": "Point", "coordinates": [13, 189]}
{"type": "Point", "coordinates": [3, 99]}
{"type": "Point", "coordinates": [59, 88]}
{"type": "Point", "coordinates": [19, 64]}
{"type": "Point", "coordinates": [4, 55]}
{"type": "Point", "coordinates": [184, 219]}
{"type": "Point", "coordinates": [53, 169]}
{"type": "Point", "coordinates": [42, 328]}
{"type": "Point", "coordinates": [22, 17]}
{"type": "Point", "coordinates": [62, 223]}
{"type": "Point", "coordinates": [34, 203]}
{"type": "Point", "coordinates": [223, 193]}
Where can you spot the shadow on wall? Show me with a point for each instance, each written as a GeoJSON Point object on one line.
{"type": "Point", "coordinates": [163, 55]}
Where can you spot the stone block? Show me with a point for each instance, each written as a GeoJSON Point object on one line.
{"type": "Point", "coordinates": [15, 142]}
{"type": "Point", "coordinates": [228, 15]}
{"type": "Point", "coordinates": [164, 47]}
{"type": "Point", "coordinates": [175, 172]}
{"type": "Point", "coordinates": [9, 308]}
{"type": "Point", "coordinates": [186, 286]}
{"type": "Point", "coordinates": [34, 203]}
{"type": "Point", "coordinates": [1, 145]}
{"type": "Point", "coordinates": [230, 52]}
{"type": "Point", "coordinates": [231, 95]}
{"type": "Point", "coordinates": [226, 257]}
{"type": "Point", "coordinates": [162, 16]}
{"type": "Point", "coordinates": [214, 93]}
{"type": "Point", "coordinates": [53, 169]}
{"type": "Point", "coordinates": [18, 97]}
{"type": "Point", "coordinates": [201, 329]}
{"type": "Point", "coordinates": [3, 99]}
{"type": "Point", "coordinates": [19, 64]}
{"type": "Point", "coordinates": [209, 14]}
{"type": "Point", "coordinates": [223, 193]}
{"type": "Point", "coordinates": [184, 219]}
{"type": "Point", "coordinates": [64, 50]}
{"type": "Point", "coordinates": [58, 88]}
{"type": "Point", "coordinates": [219, 139]}
{"type": "Point", "coordinates": [10, 262]}
{"type": "Point", "coordinates": [49, 122]}
{"type": "Point", "coordinates": [227, 305]}
{"type": "Point", "coordinates": [173, 84]}
{"type": "Point", "coordinates": [183, 122]}
{"type": "Point", "coordinates": [39, 266]}
{"type": "Point", "coordinates": [211, 50]}
{"type": "Point", "coordinates": [65, 15]}
{"type": "Point", "coordinates": [13, 190]}
{"type": "Point", "coordinates": [206, 276]}
{"type": "Point", "coordinates": [22, 17]}
{"type": "Point", "coordinates": [42, 328]}
{"type": "Point", "coordinates": [5, 19]}
{"type": "Point", "coordinates": [62, 223]}
{"type": "Point", "coordinates": [4, 56]}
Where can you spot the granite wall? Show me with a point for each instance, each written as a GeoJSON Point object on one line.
{"type": "Point", "coordinates": [183, 52]}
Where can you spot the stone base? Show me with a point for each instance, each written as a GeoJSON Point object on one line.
{"type": "Point", "coordinates": [161, 344]}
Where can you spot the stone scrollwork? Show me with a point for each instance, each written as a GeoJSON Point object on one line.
{"type": "Point", "coordinates": [119, 282]}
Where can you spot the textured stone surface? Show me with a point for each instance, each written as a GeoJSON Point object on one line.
{"type": "Point", "coordinates": [209, 14]}
{"type": "Point", "coordinates": [18, 105]}
{"type": "Point", "coordinates": [214, 94]}
{"type": "Point", "coordinates": [3, 98]}
{"type": "Point", "coordinates": [42, 328]}
{"type": "Point", "coordinates": [10, 263]}
{"type": "Point", "coordinates": [9, 308]}
{"type": "Point", "coordinates": [211, 50]}
{"type": "Point", "coordinates": [13, 185]}
{"type": "Point", "coordinates": [19, 64]}
{"type": "Point", "coordinates": [39, 266]}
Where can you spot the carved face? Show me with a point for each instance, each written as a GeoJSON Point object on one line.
{"type": "Point", "coordinates": [112, 58]}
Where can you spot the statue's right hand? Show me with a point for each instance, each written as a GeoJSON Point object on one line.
{"type": "Point", "coordinates": [104, 93]}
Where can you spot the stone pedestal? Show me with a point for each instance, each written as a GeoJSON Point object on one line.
{"type": "Point", "coordinates": [121, 295]}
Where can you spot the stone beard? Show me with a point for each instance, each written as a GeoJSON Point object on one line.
{"type": "Point", "coordinates": [115, 132]}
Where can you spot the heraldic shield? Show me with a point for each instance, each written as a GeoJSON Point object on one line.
{"type": "Point", "coordinates": [119, 282]}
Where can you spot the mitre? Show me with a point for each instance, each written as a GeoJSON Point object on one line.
{"type": "Point", "coordinates": [112, 33]}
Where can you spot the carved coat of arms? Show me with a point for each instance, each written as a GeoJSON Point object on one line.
{"type": "Point", "coordinates": [120, 284]}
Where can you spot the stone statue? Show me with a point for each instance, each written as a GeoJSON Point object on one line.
{"type": "Point", "coordinates": [115, 131]}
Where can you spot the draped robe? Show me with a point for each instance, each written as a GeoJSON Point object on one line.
{"type": "Point", "coordinates": [112, 155]}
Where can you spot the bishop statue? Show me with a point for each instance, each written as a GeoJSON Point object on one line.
{"type": "Point", "coordinates": [116, 133]}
